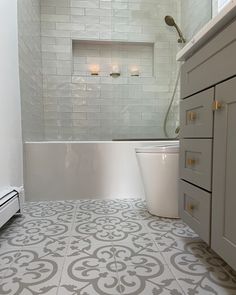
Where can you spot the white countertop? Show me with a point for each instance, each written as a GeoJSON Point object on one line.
{"type": "Point", "coordinates": [209, 30]}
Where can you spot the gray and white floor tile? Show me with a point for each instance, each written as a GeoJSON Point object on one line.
{"type": "Point", "coordinates": [106, 247]}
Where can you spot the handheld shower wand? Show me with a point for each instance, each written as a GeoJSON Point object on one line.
{"type": "Point", "coordinates": [170, 22]}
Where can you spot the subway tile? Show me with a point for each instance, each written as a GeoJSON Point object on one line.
{"type": "Point", "coordinates": [125, 28]}
{"type": "Point", "coordinates": [77, 11]}
{"type": "Point", "coordinates": [78, 35]}
{"type": "Point", "coordinates": [48, 26]}
{"type": "Point", "coordinates": [55, 18]}
{"type": "Point", "coordinates": [100, 99]}
{"type": "Point", "coordinates": [86, 109]}
{"type": "Point", "coordinates": [48, 40]}
{"type": "Point", "coordinates": [59, 3]}
{"type": "Point", "coordinates": [105, 4]}
{"type": "Point", "coordinates": [58, 79]}
{"type": "Point", "coordinates": [85, 3]}
{"type": "Point", "coordinates": [54, 33]}
{"type": "Point", "coordinates": [63, 56]}
{"type": "Point", "coordinates": [48, 9]}
{"type": "Point", "coordinates": [85, 19]}
{"type": "Point", "coordinates": [49, 71]}
{"type": "Point", "coordinates": [98, 12]}
{"type": "Point", "coordinates": [97, 27]}
{"type": "Point", "coordinates": [63, 10]}
{"type": "Point", "coordinates": [79, 116]}
{"type": "Point", "coordinates": [56, 48]}
{"type": "Point", "coordinates": [120, 5]}
{"type": "Point", "coordinates": [63, 41]}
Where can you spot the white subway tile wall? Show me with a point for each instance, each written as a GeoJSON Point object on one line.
{"type": "Point", "coordinates": [30, 64]}
{"type": "Point", "coordinates": [78, 106]}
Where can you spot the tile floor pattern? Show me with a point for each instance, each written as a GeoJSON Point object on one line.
{"type": "Point", "coordinates": [112, 247]}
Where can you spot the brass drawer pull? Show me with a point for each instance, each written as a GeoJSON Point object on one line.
{"type": "Point", "coordinates": [216, 105]}
{"type": "Point", "coordinates": [191, 162]}
{"type": "Point", "coordinates": [190, 207]}
{"type": "Point", "coordinates": [192, 116]}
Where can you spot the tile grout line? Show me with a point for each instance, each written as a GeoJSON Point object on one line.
{"type": "Point", "coordinates": [113, 244]}
{"type": "Point", "coordinates": [166, 263]}
{"type": "Point", "coordinates": [66, 251]}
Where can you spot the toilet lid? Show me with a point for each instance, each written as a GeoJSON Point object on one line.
{"type": "Point", "coordinates": [158, 149]}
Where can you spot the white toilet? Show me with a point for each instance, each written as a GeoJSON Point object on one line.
{"type": "Point", "coordinates": [159, 166]}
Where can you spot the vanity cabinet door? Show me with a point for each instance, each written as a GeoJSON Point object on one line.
{"type": "Point", "coordinates": [224, 173]}
{"type": "Point", "coordinates": [196, 116]}
{"type": "Point", "coordinates": [196, 162]}
{"type": "Point", "coordinates": [194, 209]}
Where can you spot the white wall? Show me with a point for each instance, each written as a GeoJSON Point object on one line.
{"type": "Point", "coordinates": [10, 118]}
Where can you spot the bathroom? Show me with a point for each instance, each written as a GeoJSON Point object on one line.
{"type": "Point", "coordinates": [117, 151]}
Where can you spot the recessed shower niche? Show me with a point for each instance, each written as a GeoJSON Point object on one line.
{"type": "Point", "coordinates": [104, 58]}
{"type": "Point", "coordinates": [115, 93]}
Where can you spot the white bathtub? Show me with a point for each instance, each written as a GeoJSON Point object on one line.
{"type": "Point", "coordinates": [64, 170]}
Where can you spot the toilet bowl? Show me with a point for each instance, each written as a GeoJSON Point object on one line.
{"type": "Point", "coordinates": [159, 167]}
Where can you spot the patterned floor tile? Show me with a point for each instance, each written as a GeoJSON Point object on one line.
{"type": "Point", "coordinates": [7, 259]}
{"type": "Point", "coordinates": [82, 216]}
{"type": "Point", "coordinates": [228, 269]}
{"type": "Point", "coordinates": [95, 281]}
{"type": "Point", "coordinates": [92, 273]}
{"type": "Point", "coordinates": [31, 274]}
{"type": "Point", "coordinates": [103, 207]}
{"type": "Point", "coordinates": [51, 248]}
{"type": "Point", "coordinates": [89, 246]}
{"type": "Point", "coordinates": [174, 226]}
{"type": "Point", "coordinates": [35, 231]}
{"type": "Point", "coordinates": [8, 234]}
{"type": "Point", "coordinates": [106, 247]}
{"type": "Point", "coordinates": [98, 227]}
{"type": "Point", "coordinates": [197, 268]}
{"type": "Point", "coordinates": [132, 253]}
{"type": "Point", "coordinates": [139, 204]}
{"type": "Point", "coordinates": [147, 279]}
{"type": "Point", "coordinates": [48, 209]}
{"type": "Point", "coordinates": [130, 214]}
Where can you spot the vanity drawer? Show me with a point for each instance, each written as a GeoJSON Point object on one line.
{"type": "Point", "coordinates": [196, 115]}
{"type": "Point", "coordinates": [195, 209]}
{"type": "Point", "coordinates": [211, 64]}
{"type": "Point", "coordinates": [196, 161]}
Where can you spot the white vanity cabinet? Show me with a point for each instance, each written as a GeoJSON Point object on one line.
{"type": "Point", "coordinates": [207, 198]}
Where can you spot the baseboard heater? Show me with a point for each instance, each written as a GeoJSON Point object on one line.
{"type": "Point", "coordinates": [10, 204]}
